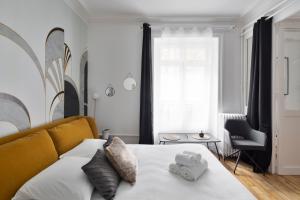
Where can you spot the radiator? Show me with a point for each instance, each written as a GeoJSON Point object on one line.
{"type": "Point", "coordinates": [223, 133]}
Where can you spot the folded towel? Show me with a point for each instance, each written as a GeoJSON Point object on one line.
{"type": "Point", "coordinates": [196, 155]}
{"type": "Point", "coordinates": [188, 159]}
{"type": "Point", "coordinates": [174, 168]}
{"type": "Point", "coordinates": [192, 173]}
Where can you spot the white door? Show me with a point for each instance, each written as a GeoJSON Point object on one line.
{"type": "Point", "coordinates": [287, 103]}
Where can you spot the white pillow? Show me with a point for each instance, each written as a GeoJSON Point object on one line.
{"type": "Point", "coordinates": [87, 148]}
{"type": "Point", "coordinates": [62, 180]}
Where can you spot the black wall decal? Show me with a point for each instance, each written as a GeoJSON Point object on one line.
{"type": "Point", "coordinates": [86, 89]}
{"type": "Point", "coordinates": [71, 100]}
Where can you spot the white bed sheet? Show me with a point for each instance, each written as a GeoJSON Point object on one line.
{"type": "Point", "coordinates": [154, 182]}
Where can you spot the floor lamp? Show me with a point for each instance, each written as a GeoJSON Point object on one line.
{"type": "Point", "coordinates": [95, 98]}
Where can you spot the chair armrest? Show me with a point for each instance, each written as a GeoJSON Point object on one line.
{"type": "Point", "coordinates": [259, 137]}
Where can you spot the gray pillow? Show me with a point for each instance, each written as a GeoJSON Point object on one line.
{"type": "Point", "coordinates": [102, 175]}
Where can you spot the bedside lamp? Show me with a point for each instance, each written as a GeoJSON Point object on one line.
{"type": "Point", "coordinates": [95, 98]}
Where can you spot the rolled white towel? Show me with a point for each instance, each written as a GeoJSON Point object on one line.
{"type": "Point", "coordinates": [174, 168]}
{"type": "Point", "coordinates": [196, 155]}
{"type": "Point", "coordinates": [187, 159]}
{"type": "Point", "coordinates": [192, 173]}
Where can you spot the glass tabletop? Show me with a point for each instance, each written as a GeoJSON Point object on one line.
{"type": "Point", "coordinates": [186, 138]}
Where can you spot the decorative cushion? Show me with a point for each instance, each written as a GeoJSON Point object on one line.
{"type": "Point", "coordinates": [102, 175]}
{"type": "Point", "coordinates": [69, 135]}
{"type": "Point", "coordinates": [122, 159]}
{"type": "Point", "coordinates": [87, 148]}
{"type": "Point", "coordinates": [22, 159]}
{"type": "Point", "coordinates": [62, 180]}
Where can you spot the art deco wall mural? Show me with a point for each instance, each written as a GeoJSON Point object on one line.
{"type": "Point", "coordinates": [15, 96]}
{"type": "Point", "coordinates": [84, 84]}
{"type": "Point", "coordinates": [71, 92]}
{"type": "Point", "coordinates": [54, 74]}
{"type": "Point", "coordinates": [18, 40]}
{"type": "Point", "coordinates": [14, 112]}
{"type": "Point", "coordinates": [32, 94]}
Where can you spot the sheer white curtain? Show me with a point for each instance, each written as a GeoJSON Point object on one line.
{"type": "Point", "coordinates": [185, 81]}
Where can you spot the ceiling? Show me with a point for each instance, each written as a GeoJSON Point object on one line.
{"type": "Point", "coordinates": [167, 8]}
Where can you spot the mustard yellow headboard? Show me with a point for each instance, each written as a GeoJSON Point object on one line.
{"type": "Point", "coordinates": [48, 126]}
{"type": "Point", "coordinates": [25, 154]}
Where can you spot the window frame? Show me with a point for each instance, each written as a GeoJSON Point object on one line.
{"type": "Point", "coordinates": [220, 35]}
{"type": "Point", "coordinates": [246, 67]}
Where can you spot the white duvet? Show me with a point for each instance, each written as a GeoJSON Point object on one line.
{"type": "Point", "coordinates": [155, 182]}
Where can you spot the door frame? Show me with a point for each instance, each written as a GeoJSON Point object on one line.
{"type": "Point", "coordinates": [277, 87]}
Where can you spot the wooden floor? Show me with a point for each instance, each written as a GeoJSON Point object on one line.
{"type": "Point", "coordinates": [268, 186]}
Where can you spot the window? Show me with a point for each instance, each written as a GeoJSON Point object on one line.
{"type": "Point", "coordinates": [185, 83]}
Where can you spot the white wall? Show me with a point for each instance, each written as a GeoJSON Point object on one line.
{"type": "Point", "coordinates": [232, 73]}
{"type": "Point", "coordinates": [115, 50]}
{"type": "Point", "coordinates": [32, 20]}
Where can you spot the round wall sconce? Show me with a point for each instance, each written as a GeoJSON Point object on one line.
{"type": "Point", "coordinates": [129, 82]}
{"type": "Point", "coordinates": [110, 91]}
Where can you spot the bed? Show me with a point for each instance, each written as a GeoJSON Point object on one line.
{"type": "Point", "coordinates": [154, 182]}
{"type": "Point", "coordinates": [57, 148]}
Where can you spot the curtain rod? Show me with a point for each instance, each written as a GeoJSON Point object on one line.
{"type": "Point", "coordinates": [213, 26]}
{"type": "Point", "coordinates": [266, 14]}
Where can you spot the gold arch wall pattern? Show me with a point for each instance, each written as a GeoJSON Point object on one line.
{"type": "Point", "coordinates": [53, 77]}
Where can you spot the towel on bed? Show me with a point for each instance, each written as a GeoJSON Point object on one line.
{"type": "Point", "coordinates": [174, 168]}
{"type": "Point", "coordinates": [188, 158]}
{"type": "Point", "coordinates": [196, 155]}
{"type": "Point", "coordinates": [192, 173]}
{"type": "Point", "coordinates": [188, 165]}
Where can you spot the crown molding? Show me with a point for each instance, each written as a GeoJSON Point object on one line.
{"type": "Point", "coordinates": [265, 8]}
{"type": "Point", "coordinates": [288, 13]}
{"type": "Point", "coordinates": [166, 19]}
{"type": "Point", "coordinates": [79, 9]}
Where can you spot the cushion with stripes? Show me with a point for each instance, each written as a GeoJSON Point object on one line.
{"type": "Point", "coordinates": [102, 175]}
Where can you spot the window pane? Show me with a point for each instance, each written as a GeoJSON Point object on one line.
{"type": "Point", "coordinates": [184, 69]}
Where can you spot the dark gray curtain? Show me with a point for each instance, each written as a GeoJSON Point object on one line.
{"type": "Point", "coordinates": [259, 114]}
{"type": "Point", "coordinates": [146, 115]}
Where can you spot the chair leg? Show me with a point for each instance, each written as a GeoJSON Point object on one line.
{"type": "Point", "coordinates": [253, 161]}
{"type": "Point", "coordinates": [237, 161]}
{"type": "Point", "coordinates": [231, 154]}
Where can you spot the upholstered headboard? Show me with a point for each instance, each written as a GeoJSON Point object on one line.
{"type": "Point", "coordinates": [25, 154]}
{"type": "Point", "coordinates": [48, 126]}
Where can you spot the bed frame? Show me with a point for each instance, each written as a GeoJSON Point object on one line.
{"type": "Point", "coordinates": [26, 153]}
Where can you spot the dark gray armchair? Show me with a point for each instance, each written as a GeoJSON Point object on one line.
{"type": "Point", "coordinates": [243, 138]}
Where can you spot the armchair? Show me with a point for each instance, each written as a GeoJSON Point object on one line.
{"type": "Point", "coordinates": [244, 138]}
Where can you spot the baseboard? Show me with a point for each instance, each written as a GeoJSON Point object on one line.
{"type": "Point", "coordinates": [128, 139]}
{"type": "Point", "coordinates": [289, 170]}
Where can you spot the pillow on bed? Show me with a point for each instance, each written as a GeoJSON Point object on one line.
{"type": "Point", "coordinates": [122, 159]}
{"type": "Point", "coordinates": [62, 180]}
{"type": "Point", "coordinates": [68, 135]}
{"type": "Point", "coordinates": [87, 148]}
{"type": "Point", "coordinates": [102, 175]}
